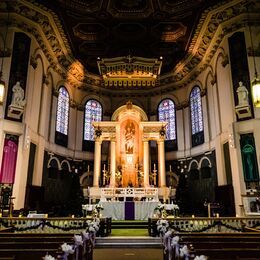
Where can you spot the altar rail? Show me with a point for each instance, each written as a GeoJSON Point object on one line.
{"type": "Point", "coordinates": [150, 193]}
{"type": "Point", "coordinates": [52, 225]}
{"type": "Point", "coordinates": [206, 225]}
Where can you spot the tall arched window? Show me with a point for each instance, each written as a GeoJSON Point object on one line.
{"type": "Point", "coordinates": [196, 117]}
{"type": "Point", "coordinates": [62, 119]}
{"type": "Point", "coordinates": [93, 112]}
{"type": "Point", "coordinates": [166, 111]}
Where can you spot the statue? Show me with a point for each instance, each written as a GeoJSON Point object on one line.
{"type": "Point", "coordinates": [242, 94]}
{"type": "Point", "coordinates": [129, 138]}
{"type": "Point", "coordinates": [18, 96]}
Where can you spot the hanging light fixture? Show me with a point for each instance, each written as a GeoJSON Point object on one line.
{"type": "Point", "coordinates": [255, 83]}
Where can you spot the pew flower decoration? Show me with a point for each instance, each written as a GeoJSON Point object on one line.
{"type": "Point", "coordinates": [67, 249]}
{"type": "Point", "coordinates": [93, 226]}
{"type": "Point", "coordinates": [78, 240]}
{"type": "Point", "coordinates": [162, 226]}
{"type": "Point", "coordinates": [175, 245]}
{"type": "Point", "coordinates": [48, 257]}
{"type": "Point", "coordinates": [201, 257]}
{"type": "Point", "coordinates": [184, 252]}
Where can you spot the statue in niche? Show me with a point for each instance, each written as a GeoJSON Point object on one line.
{"type": "Point", "coordinates": [129, 137]}
{"type": "Point", "coordinates": [18, 96]}
{"type": "Point", "coordinates": [242, 94]}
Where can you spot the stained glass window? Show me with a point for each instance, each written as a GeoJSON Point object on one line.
{"type": "Point", "coordinates": [196, 111]}
{"type": "Point", "coordinates": [93, 112]}
{"type": "Point", "coordinates": [62, 119]}
{"type": "Point", "coordinates": [166, 111]}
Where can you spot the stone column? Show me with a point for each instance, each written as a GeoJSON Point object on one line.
{"type": "Point", "coordinates": [97, 162]}
{"type": "Point", "coordinates": [146, 163]}
{"type": "Point", "coordinates": [112, 164]}
{"type": "Point", "coordinates": [161, 163]}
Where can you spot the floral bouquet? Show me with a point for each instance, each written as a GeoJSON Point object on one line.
{"type": "Point", "coordinates": [162, 226]}
{"type": "Point", "coordinates": [161, 209]}
{"type": "Point", "coordinates": [97, 209]}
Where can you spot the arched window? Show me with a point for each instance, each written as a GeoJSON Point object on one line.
{"type": "Point", "coordinates": [196, 117]}
{"type": "Point", "coordinates": [62, 119]}
{"type": "Point", "coordinates": [93, 112]}
{"type": "Point", "coordinates": [166, 111]}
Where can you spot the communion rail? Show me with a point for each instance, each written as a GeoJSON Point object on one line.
{"type": "Point", "coordinates": [209, 225]}
{"type": "Point", "coordinates": [52, 225]}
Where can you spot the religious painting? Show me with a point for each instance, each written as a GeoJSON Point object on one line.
{"type": "Point", "coordinates": [249, 160]}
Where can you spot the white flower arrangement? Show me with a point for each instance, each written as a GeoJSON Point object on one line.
{"type": "Point", "coordinates": [96, 210]}
{"type": "Point", "coordinates": [48, 257]}
{"type": "Point", "coordinates": [67, 249]}
{"type": "Point", "coordinates": [175, 241]}
{"type": "Point", "coordinates": [184, 251]}
{"type": "Point", "coordinates": [78, 240]}
{"type": "Point", "coordinates": [93, 226]}
{"type": "Point", "coordinates": [162, 226]}
{"type": "Point", "coordinates": [160, 207]}
{"type": "Point", "coordinates": [201, 257]}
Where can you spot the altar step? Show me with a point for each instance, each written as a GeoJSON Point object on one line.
{"type": "Point", "coordinates": [129, 224]}
{"type": "Point", "coordinates": [128, 242]}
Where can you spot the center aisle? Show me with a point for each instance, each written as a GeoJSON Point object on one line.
{"type": "Point", "coordinates": [129, 228]}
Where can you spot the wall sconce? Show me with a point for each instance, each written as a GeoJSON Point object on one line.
{"type": "Point", "coordinates": [255, 84]}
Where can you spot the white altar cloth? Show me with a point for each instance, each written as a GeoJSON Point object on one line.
{"type": "Point", "coordinates": [116, 209]}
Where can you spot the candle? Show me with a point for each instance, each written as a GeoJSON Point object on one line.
{"type": "Point", "coordinates": [72, 216]}
{"type": "Point", "coordinates": [170, 168]}
{"type": "Point", "coordinates": [104, 167]}
{"type": "Point", "coordinates": [154, 166]}
{"type": "Point", "coordinates": [0, 215]}
{"type": "Point", "coordinates": [46, 215]}
{"type": "Point", "coordinates": [193, 216]}
{"type": "Point", "coordinates": [88, 167]}
{"type": "Point", "coordinates": [217, 215]}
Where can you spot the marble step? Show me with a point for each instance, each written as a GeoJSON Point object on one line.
{"type": "Point", "coordinates": [129, 225]}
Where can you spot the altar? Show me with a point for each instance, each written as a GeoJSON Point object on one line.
{"type": "Point", "coordinates": [129, 210]}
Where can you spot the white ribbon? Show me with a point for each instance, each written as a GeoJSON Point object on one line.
{"type": "Point", "coordinates": [175, 246]}
{"type": "Point", "coordinates": [167, 239]}
{"type": "Point", "coordinates": [78, 242]}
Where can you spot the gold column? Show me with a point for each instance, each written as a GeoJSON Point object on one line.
{"type": "Point", "coordinates": [97, 162]}
{"type": "Point", "coordinates": [146, 163]}
{"type": "Point", "coordinates": [161, 163]}
{"type": "Point", "coordinates": [112, 163]}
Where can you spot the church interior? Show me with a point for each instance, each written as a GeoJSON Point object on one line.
{"type": "Point", "coordinates": [134, 106]}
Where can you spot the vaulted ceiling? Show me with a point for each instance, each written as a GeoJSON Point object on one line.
{"type": "Point", "coordinates": [112, 28]}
